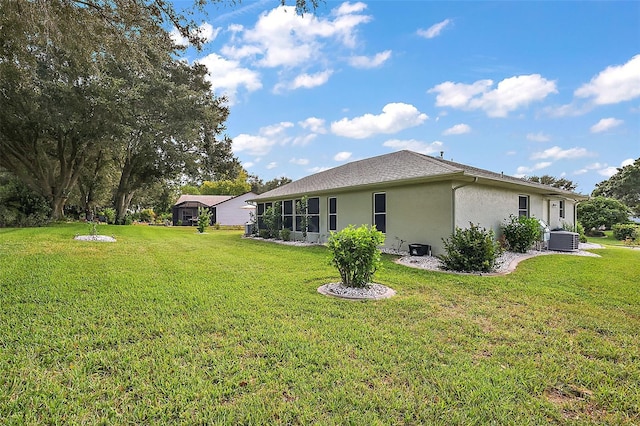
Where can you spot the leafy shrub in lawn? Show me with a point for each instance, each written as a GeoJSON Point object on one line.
{"type": "Point", "coordinates": [147, 215]}
{"type": "Point", "coordinates": [354, 251]}
{"type": "Point", "coordinates": [204, 218]}
{"type": "Point", "coordinates": [624, 231]}
{"type": "Point", "coordinates": [109, 214]}
{"type": "Point", "coordinates": [521, 232]}
{"type": "Point", "coordinates": [470, 250]}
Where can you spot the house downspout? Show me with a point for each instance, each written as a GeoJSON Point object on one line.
{"type": "Point", "coordinates": [453, 202]}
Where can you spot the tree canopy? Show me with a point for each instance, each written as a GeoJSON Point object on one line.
{"type": "Point", "coordinates": [601, 211]}
{"type": "Point", "coordinates": [92, 85]}
{"type": "Point", "coordinates": [562, 183]}
{"type": "Point", "coordinates": [623, 186]}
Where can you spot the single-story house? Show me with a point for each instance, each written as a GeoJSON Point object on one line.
{"type": "Point", "coordinates": [415, 199]}
{"type": "Point", "coordinates": [224, 209]}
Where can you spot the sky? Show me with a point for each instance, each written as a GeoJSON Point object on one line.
{"type": "Point", "coordinates": [523, 88]}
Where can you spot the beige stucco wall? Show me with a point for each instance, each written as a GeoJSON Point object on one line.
{"type": "Point", "coordinates": [415, 214]}
{"type": "Point", "coordinates": [490, 206]}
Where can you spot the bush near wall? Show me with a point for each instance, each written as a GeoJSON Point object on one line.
{"type": "Point", "coordinates": [470, 250]}
{"type": "Point", "coordinates": [521, 233]}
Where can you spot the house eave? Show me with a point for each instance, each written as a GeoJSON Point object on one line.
{"type": "Point", "coordinates": [371, 186]}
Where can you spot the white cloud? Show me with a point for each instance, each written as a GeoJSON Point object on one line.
{"type": "Point", "coordinates": [538, 137]}
{"type": "Point", "coordinates": [370, 62]}
{"type": "Point", "coordinates": [299, 161]}
{"type": "Point", "coordinates": [281, 37]}
{"type": "Point", "coordinates": [522, 170]}
{"type": "Point", "coordinates": [394, 118]}
{"type": "Point", "coordinates": [610, 171]}
{"type": "Point", "coordinates": [248, 165]}
{"type": "Point", "coordinates": [434, 30]}
{"type": "Point", "coordinates": [178, 38]}
{"type": "Point", "coordinates": [347, 8]}
{"type": "Point", "coordinates": [592, 166]}
{"type": "Point", "coordinates": [458, 129]}
{"type": "Point", "coordinates": [510, 94]}
{"type": "Point", "coordinates": [414, 145]}
{"type": "Point", "coordinates": [272, 165]}
{"type": "Point", "coordinates": [314, 124]}
{"type": "Point", "coordinates": [342, 156]}
{"type": "Point", "coordinates": [205, 31]}
{"type": "Point", "coordinates": [266, 138]}
{"type": "Point", "coordinates": [304, 139]}
{"type": "Point", "coordinates": [615, 84]}
{"type": "Point", "coordinates": [306, 81]}
{"type": "Point", "coordinates": [227, 76]}
{"type": "Point", "coordinates": [605, 124]}
{"type": "Point", "coordinates": [557, 153]}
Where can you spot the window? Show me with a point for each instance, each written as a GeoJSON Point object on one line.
{"type": "Point", "coordinates": [313, 213]}
{"type": "Point", "coordinates": [333, 214]}
{"type": "Point", "coordinates": [260, 215]}
{"type": "Point", "coordinates": [523, 205]}
{"type": "Point", "coordinates": [561, 204]}
{"type": "Point", "coordinates": [262, 208]}
{"type": "Point", "coordinates": [287, 214]}
{"type": "Point", "coordinates": [380, 211]}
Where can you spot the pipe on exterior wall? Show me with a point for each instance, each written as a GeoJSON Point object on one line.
{"type": "Point", "coordinates": [453, 202]}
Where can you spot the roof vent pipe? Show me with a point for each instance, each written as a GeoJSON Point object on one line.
{"type": "Point", "coordinates": [441, 154]}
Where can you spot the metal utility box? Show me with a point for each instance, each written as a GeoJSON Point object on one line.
{"type": "Point", "coordinates": [419, 249]}
{"type": "Point", "coordinates": [564, 241]}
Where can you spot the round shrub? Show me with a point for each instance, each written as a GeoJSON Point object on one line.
{"type": "Point", "coordinates": [624, 231]}
{"type": "Point", "coordinates": [470, 250]}
{"type": "Point", "coordinates": [521, 232]}
{"type": "Point", "coordinates": [354, 251]}
{"type": "Point", "coordinates": [147, 215]}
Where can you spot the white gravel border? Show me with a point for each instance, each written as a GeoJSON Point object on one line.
{"type": "Point", "coordinates": [97, 238]}
{"type": "Point", "coordinates": [505, 264]}
{"type": "Point", "coordinates": [370, 292]}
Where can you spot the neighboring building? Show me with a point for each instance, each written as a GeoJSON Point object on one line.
{"type": "Point", "coordinates": [224, 209]}
{"type": "Point", "coordinates": [415, 198]}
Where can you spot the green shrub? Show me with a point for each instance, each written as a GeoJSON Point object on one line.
{"type": "Point", "coordinates": [109, 214]}
{"type": "Point", "coordinates": [263, 233]}
{"type": "Point", "coordinates": [147, 215]}
{"type": "Point", "coordinates": [204, 219]}
{"type": "Point", "coordinates": [272, 219]}
{"type": "Point", "coordinates": [355, 253]}
{"type": "Point", "coordinates": [20, 206]}
{"type": "Point", "coordinates": [521, 232]}
{"type": "Point", "coordinates": [578, 229]}
{"type": "Point", "coordinates": [285, 234]}
{"type": "Point", "coordinates": [624, 231]}
{"type": "Point", "coordinates": [470, 250]}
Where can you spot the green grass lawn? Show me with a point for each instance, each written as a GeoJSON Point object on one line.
{"type": "Point", "coordinates": [166, 327]}
{"type": "Point", "coordinates": [608, 240]}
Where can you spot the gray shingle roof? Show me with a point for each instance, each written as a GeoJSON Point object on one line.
{"type": "Point", "coordinates": [397, 167]}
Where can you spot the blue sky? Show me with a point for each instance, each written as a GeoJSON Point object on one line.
{"type": "Point", "coordinates": [524, 88]}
